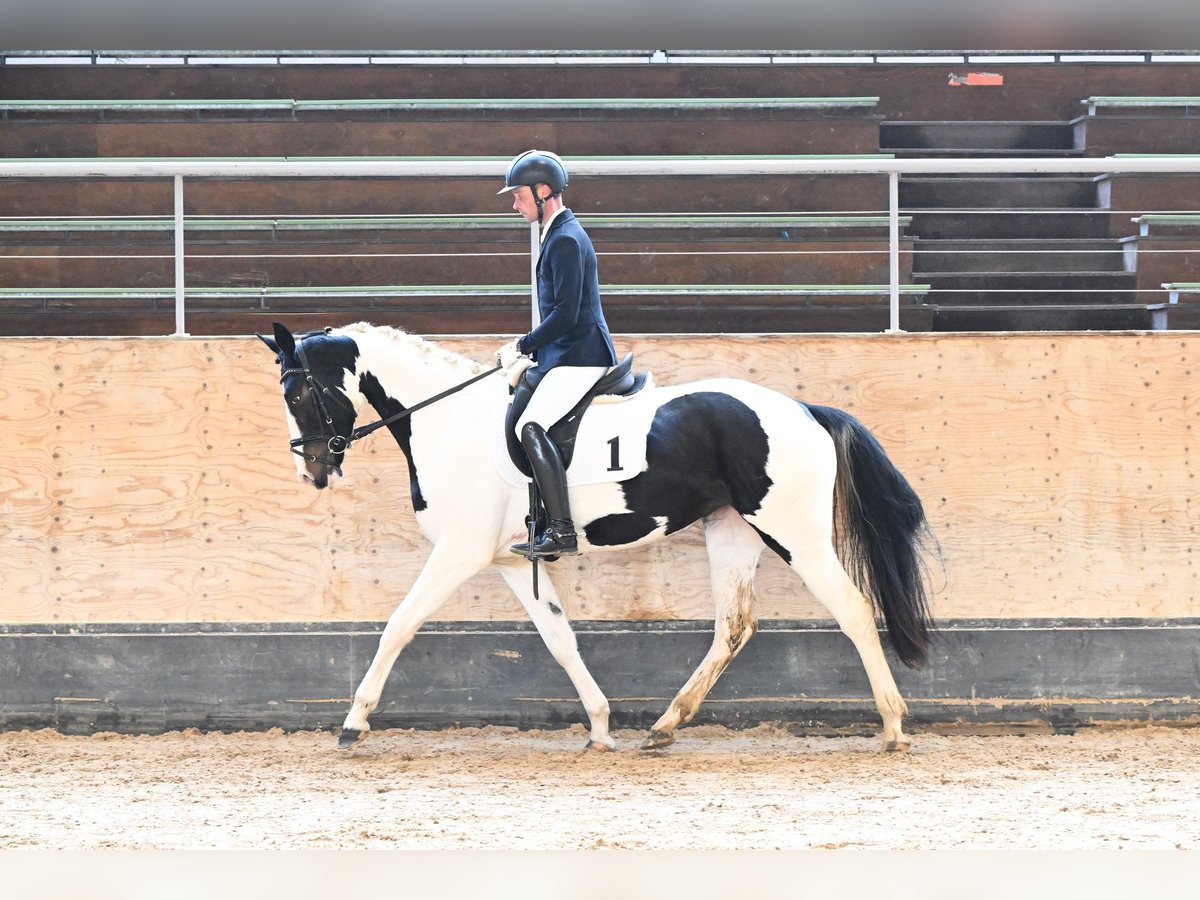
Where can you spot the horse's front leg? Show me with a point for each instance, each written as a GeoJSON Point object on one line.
{"type": "Point", "coordinates": [448, 566]}
{"type": "Point", "coordinates": [551, 621]}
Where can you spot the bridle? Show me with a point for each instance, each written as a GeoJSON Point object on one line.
{"type": "Point", "coordinates": [338, 443]}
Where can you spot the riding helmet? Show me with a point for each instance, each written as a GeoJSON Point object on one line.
{"type": "Point", "coordinates": [534, 167]}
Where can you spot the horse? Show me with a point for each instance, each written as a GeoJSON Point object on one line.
{"type": "Point", "coordinates": [759, 469]}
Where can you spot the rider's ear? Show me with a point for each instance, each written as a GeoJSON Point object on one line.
{"type": "Point", "coordinates": [284, 338]}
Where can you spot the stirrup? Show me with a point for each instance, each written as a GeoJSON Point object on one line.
{"type": "Point", "coordinates": [559, 539]}
{"type": "Point", "coordinates": [522, 549]}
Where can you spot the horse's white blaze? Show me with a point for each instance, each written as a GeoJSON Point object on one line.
{"type": "Point", "coordinates": [294, 433]}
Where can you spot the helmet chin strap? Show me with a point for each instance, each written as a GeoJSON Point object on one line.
{"type": "Point", "coordinates": [540, 200]}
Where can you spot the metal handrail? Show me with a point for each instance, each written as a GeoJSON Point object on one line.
{"type": "Point", "coordinates": [664, 166]}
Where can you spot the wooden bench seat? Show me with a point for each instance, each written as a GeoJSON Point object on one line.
{"type": "Point", "coordinates": [1144, 223]}
{"type": "Point", "coordinates": [478, 133]}
{"type": "Point", "coordinates": [1152, 127]}
{"type": "Point", "coordinates": [261, 296]}
{"type": "Point", "coordinates": [1176, 289]}
{"type": "Point", "coordinates": [498, 222]}
{"type": "Point", "coordinates": [434, 104]}
{"type": "Point", "coordinates": [467, 309]}
{"type": "Point", "coordinates": [331, 257]}
{"type": "Point", "coordinates": [859, 194]}
{"type": "Point", "coordinates": [1187, 104]}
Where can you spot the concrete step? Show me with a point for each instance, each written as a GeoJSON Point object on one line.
{"type": "Point", "coordinates": [969, 192]}
{"type": "Point", "coordinates": [1048, 317]}
{"type": "Point", "coordinates": [1018, 256]}
{"type": "Point", "coordinates": [978, 153]}
{"type": "Point", "coordinates": [991, 136]}
{"type": "Point", "coordinates": [1009, 224]}
{"type": "Point", "coordinates": [1033, 288]}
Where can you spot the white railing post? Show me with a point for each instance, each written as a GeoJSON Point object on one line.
{"type": "Point", "coordinates": [894, 251]}
{"type": "Point", "coordinates": [180, 331]}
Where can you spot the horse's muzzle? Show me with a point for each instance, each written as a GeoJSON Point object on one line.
{"type": "Point", "coordinates": [329, 476]}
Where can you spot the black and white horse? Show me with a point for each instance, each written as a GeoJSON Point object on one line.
{"type": "Point", "coordinates": [760, 469]}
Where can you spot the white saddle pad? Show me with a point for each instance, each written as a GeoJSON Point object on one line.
{"type": "Point", "coordinates": [610, 446]}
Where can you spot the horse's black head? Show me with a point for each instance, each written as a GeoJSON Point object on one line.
{"type": "Point", "coordinates": [315, 375]}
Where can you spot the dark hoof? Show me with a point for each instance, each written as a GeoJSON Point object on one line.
{"type": "Point", "coordinates": [350, 739]}
{"type": "Point", "coordinates": [657, 740]}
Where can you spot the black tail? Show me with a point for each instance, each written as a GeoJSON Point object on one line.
{"type": "Point", "coordinates": [881, 533]}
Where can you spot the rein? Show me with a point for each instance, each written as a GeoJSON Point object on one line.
{"type": "Point", "coordinates": [338, 443]}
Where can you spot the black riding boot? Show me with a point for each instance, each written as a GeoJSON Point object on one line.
{"type": "Point", "coordinates": [559, 537]}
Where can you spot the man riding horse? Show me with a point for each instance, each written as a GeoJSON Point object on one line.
{"type": "Point", "coordinates": [571, 347]}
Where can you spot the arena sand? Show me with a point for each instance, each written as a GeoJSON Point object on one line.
{"type": "Point", "coordinates": [504, 789]}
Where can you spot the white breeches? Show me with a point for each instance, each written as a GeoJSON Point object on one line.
{"type": "Point", "coordinates": [559, 390]}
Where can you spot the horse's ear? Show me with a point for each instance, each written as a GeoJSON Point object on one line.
{"type": "Point", "coordinates": [270, 342]}
{"type": "Point", "coordinates": [285, 340]}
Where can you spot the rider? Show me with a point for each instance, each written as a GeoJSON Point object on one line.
{"type": "Point", "coordinates": [572, 347]}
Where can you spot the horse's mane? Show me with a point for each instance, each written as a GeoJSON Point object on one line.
{"type": "Point", "coordinates": [413, 342]}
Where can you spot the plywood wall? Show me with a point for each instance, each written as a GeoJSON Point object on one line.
{"type": "Point", "coordinates": [149, 481]}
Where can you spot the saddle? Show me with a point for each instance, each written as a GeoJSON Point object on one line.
{"type": "Point", "coordinates": [620, 382]}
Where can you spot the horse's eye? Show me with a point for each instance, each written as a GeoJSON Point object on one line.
{"type": "Point", "coordinates": [294, 401]}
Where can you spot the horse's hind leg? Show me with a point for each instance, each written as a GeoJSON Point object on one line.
{"type": "Point", "coordinates": [551, 621]}
{"type": "Point", "coordinates": [827, 580]}
{"type": "Point", "coordinates": [733, 551]}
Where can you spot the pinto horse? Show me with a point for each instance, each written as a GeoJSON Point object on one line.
{"type": "Point", "coordinates": [759, 469]}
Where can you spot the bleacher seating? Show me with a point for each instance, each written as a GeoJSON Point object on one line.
{"type": "Point", "coordinates": [1168, 222]}
{"type": "Point", "coordinates": [437, 126]}
{"type": "Point", "coordinates": [1183, 298]}
{"type": "Point", "coordinates": [295, 234]}
{"type": "Point", "coordinates": [783, 269]}
{"type": "Point", "coordinates": [1145, 124]}
{"type": "Point", "coordinates": [468, 106]}
{"type": "Point", "coordinates": [1185, 104]}
{"type": "Point", "coordinates": [470, 308]}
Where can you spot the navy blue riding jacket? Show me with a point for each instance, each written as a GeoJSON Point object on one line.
{"type": "Point", "coordinates": [573, 331]}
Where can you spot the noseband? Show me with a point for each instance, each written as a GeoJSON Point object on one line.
{"type": "Point", "coordinates": [338, 443]}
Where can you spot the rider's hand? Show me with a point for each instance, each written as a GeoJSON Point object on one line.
{"type": "Point", "coordinates": [509, 354]}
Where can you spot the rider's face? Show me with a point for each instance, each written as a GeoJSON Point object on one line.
{"type": "Point", "coordinates": [524, 203]}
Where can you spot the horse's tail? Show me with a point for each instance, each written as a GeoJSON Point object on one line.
{"type": "Point", "coordinates": [881, 533]}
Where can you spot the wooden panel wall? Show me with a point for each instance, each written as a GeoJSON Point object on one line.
{"type": "Point", "coordinates": [148, 480]}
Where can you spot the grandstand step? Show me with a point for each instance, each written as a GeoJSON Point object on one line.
{"type": "Point", "coordinates": [1042, 137]}
{"type": "Point", "coordinates": [435, 318]}
{"type": "Point", "coordinates": [1032, 288]}
{"type": "Point", "coordinates": [673, 195]}
{"type": "Point", "coordinates": [492, 229]}
{"type": "Point", "coordinates": [1167, 133]}
{"type": "Point", "coordinates": [697, 132]}
{"type": "Point", "coordinates": [1013, 224]}
{"type": "Point", "coordinates": [1018, 256]}
{"type": "Point", "coordinates": [276, 264]}
{"type": "Point", "coordinates": [1016, 191]}
{"type": "Point", "coordinates": [1044, 317]}
{"type": "Point", "coordinates": [979, 153]}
